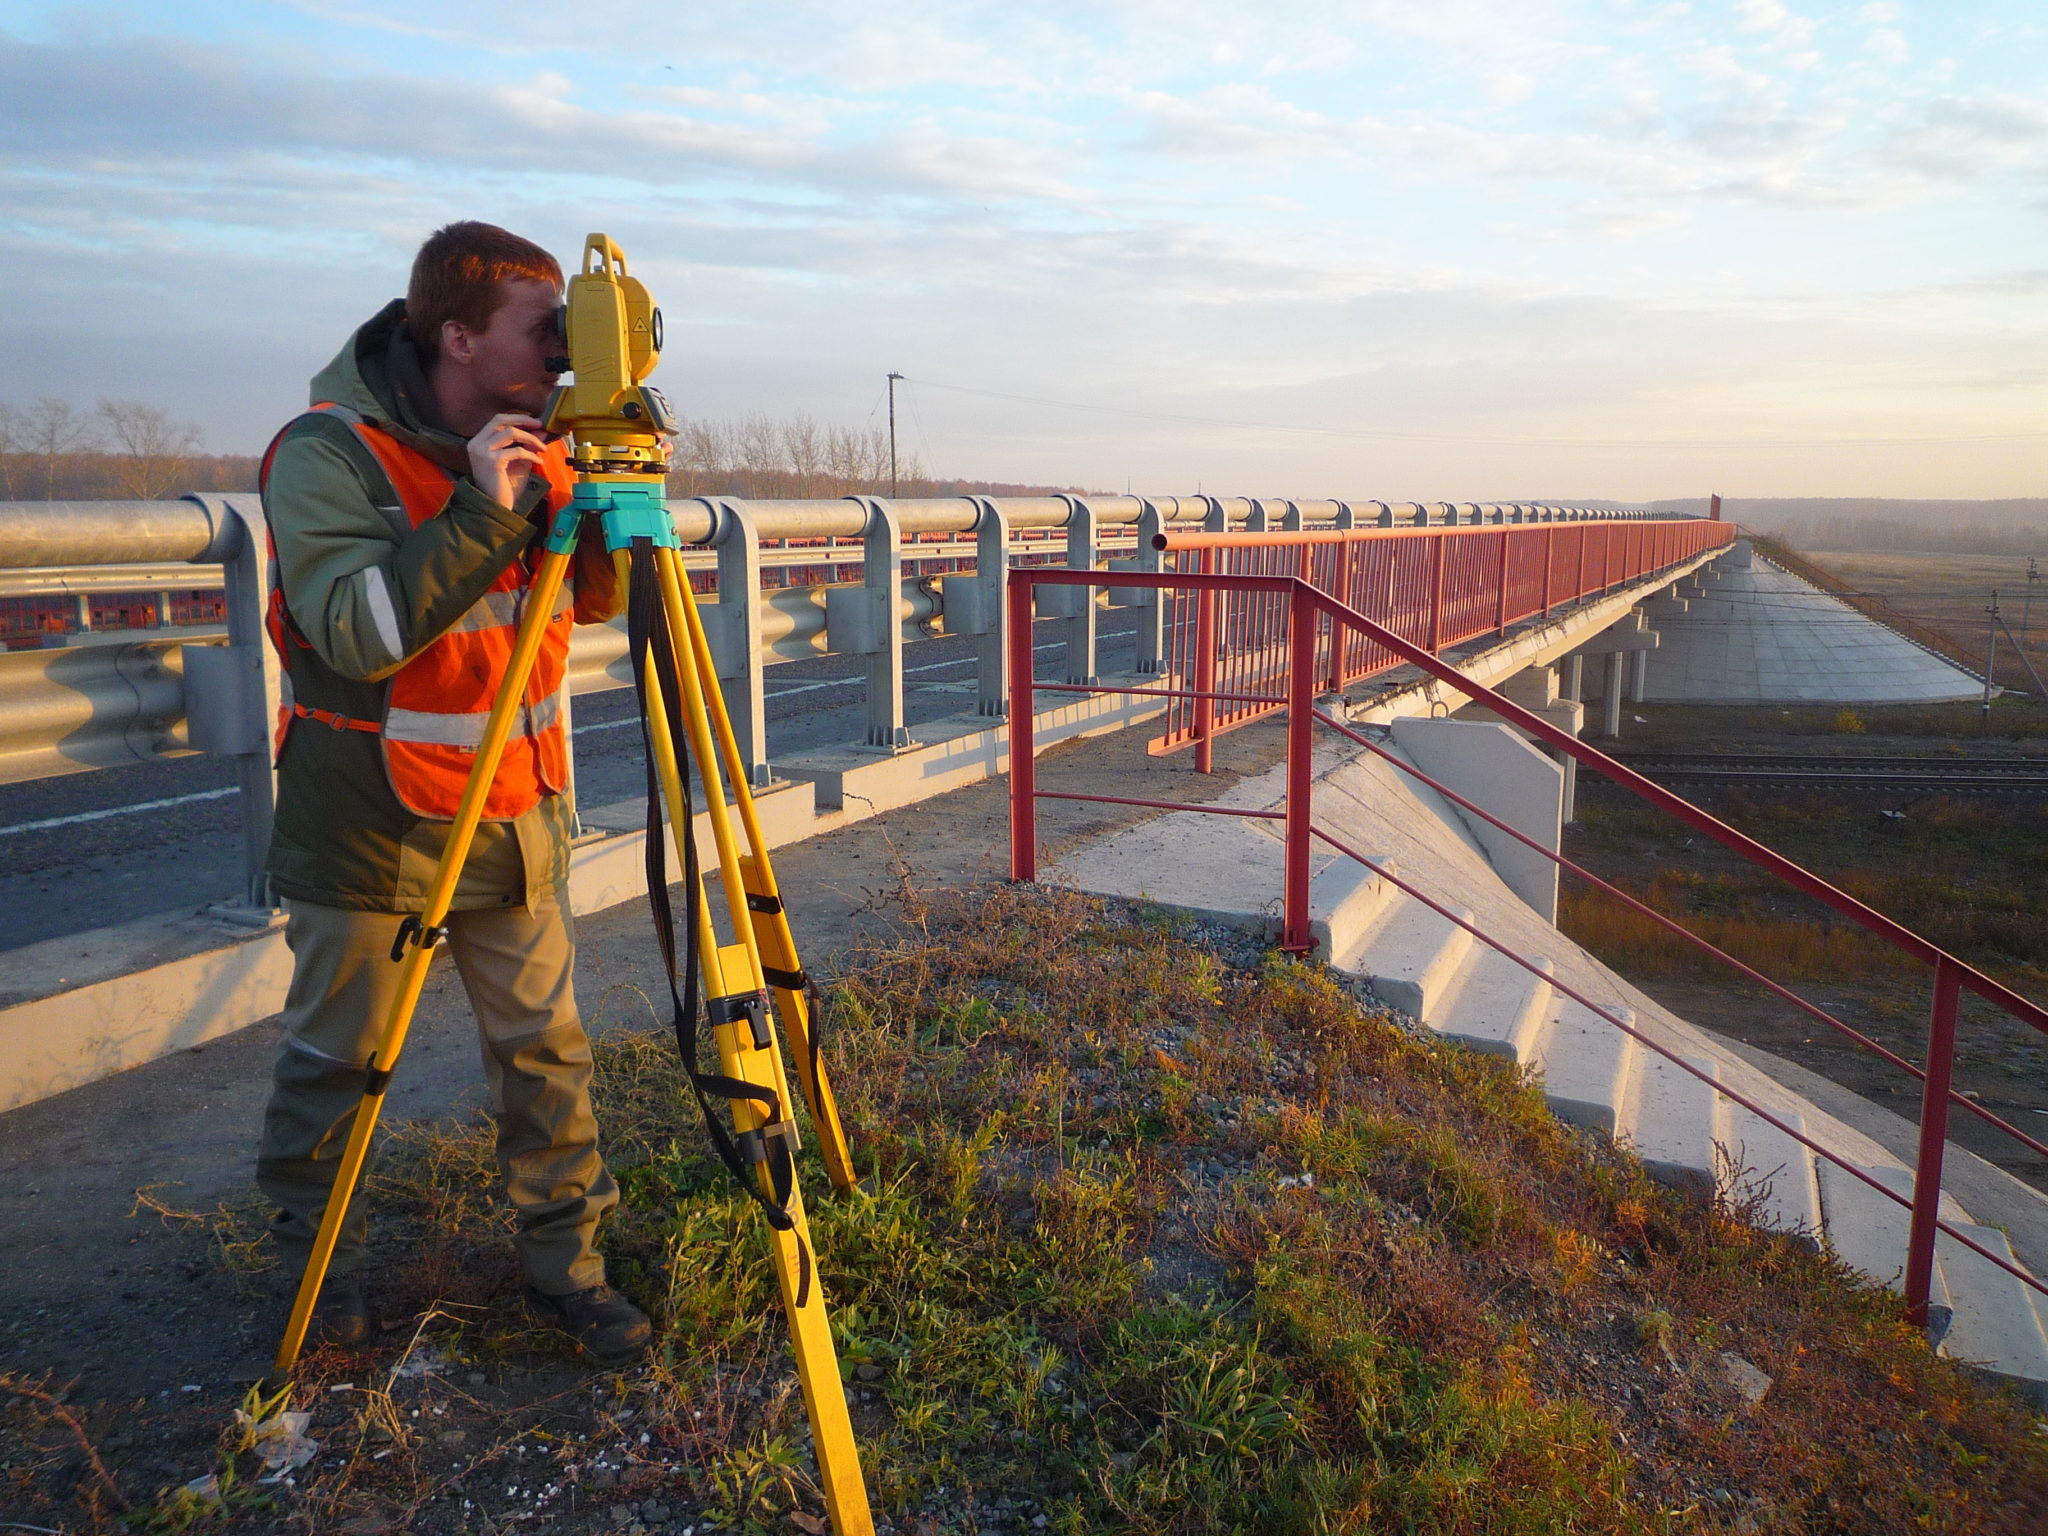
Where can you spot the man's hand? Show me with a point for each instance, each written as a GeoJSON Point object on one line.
{"type": "Point", "coordinates": [503, 455]}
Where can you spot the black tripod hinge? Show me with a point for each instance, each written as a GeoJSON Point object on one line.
{"type": "Point", "coordinates": [413, 931]}
{"type": "Point", "coordinates": [756, 902]}
{"type": "Point", "coordinates": [750, 1006]}
{"type": "Point", "coordinates": [754, 1144]}
{"type": "Point", "coordinates": [789, 981]}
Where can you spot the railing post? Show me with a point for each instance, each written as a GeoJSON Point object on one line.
{"type": "Point", "coordinates": [991, 618]}
{"type": "Point", "coordinates": [1301, 695]}
{"type": "Point", "coordinates": [865, 623]}
{"type": "Point", "coordinates": [1080, 613]}
{"type": "Point", "coordinates": [1549, 559]}
{"type": "Point", "coordinates": [1023, 733]}
{"type": "Point", "coordinates": [232, 691]}
{"type": "Point", "coordinates": [1205, 669]}
{"type": "Point", "coordinates": [1151, 601]}
{"type": "Point", "coordinates": [1500, 596]}
{"type": "Point", "coordinates": [1941, 1054]}
{"type": "Point", "coordinates": [1436, 592]}
{"type": "Point", "coordinates": [1340, 583]}
{"type": "Point", "coordinates": [732, 628]}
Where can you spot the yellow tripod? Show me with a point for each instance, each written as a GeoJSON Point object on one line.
{"type": "Point", "coordinates": [683, 718]}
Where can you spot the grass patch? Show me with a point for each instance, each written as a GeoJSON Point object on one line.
{"type": "Point", "coordinates": [1156, 1238]}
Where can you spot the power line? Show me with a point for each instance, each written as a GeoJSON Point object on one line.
{"type": "Point", "coordinates": [1439, 437]}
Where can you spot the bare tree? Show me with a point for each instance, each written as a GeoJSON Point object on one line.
{"type": "Point", "coordinates": [154, 451]}
{"type": "Point", "coordinates": [51, 430]}
{"type": "Point", "coordinates": [803, 446]}
{"type": "Point", "coordinates": [10, 445]}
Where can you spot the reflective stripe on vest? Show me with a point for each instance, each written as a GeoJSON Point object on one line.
{"type": "Point", "coordinates": [437, 705]}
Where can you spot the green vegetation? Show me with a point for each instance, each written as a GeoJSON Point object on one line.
{"type": "Point", "coordinates": [1159, 1238]}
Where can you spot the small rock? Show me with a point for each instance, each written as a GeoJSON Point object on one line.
{"type": "Point", "coordinates": [653, 1513]}
{"type": "Point", "coordinates": [622, 1513]}
{"type": "Point", "coordinates": [867, 1370]}
{"type": "Point", "coordinates": [1038, 1522]}
{"type": "Point", "coordinates": [1741, 1377]}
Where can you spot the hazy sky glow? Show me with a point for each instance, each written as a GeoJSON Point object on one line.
{"type": "Point", "coordinates": [1478, 248]}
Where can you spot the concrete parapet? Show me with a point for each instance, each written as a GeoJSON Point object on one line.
{"type": "Point", "coordinates": [1502, 774]}
{"type": "Point", "coordinates": [85, 1006]}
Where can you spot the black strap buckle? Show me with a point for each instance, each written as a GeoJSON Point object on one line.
{"type": "Point", "coordinates": [756, 902]}
{"type": "Point", "coordinates": [413, 931]}
{"type": "Point", "coordinates": [754, 1144]}
{"type": "Point", "coordinates": [749, 1006]}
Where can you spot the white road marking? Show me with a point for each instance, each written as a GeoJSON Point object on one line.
{"type": "Point", "coordinates": [116, 810]}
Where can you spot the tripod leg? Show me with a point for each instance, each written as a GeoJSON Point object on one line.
{"type": "Point", "coordinates": [774, 943]}
{"type": "Point", "coordinates": [746, 1052]}
{"type": "Point", "coordinates": [533, 626]}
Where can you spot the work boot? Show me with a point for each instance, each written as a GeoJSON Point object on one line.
{"type": "Point", "coordinates": [340, 1316]}
{"type": "Point", "coordinates": [607, 1325]}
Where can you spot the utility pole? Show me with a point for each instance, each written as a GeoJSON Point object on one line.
{"type": "Point", "coordinates": [2027, 602]}
{"type": "Point", "coordinates": [892, 434]}
{"type": "Point", "coordinates": [1990, 657]}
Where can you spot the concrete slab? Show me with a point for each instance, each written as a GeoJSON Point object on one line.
{"type": "Point", "coordinates": [1764, 636]}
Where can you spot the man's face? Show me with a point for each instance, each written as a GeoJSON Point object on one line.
{"type": "Point", "coordinates": [508, 357]}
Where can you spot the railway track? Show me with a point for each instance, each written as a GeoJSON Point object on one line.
{"type": "Point", "coordinates": [1943, 775]}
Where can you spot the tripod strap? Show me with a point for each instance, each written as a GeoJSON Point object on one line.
{"type": "Point", "coordinates": [650, 641]}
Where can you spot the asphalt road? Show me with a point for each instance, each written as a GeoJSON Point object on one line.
{"type": "Point", "coordinates": [91, 850]}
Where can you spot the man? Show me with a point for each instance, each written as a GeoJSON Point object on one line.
{"type": "Point", "coordinates": [404, 512]}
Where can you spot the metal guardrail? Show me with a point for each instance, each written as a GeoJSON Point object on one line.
{"type": "Point", "coordinates": [1309, 617]}
{"type": "Point", "coordinates": [94, 706]}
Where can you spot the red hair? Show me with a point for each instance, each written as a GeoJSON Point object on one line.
{"type": "Point", "coordinates": [460, 275]}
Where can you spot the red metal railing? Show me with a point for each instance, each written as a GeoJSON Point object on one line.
{"type": "Point", "coordinates": [1304, 616]}
{"type": "Point", "coordinates": [1433, 587]}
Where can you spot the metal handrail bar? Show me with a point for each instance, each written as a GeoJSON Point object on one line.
{"type": "Point", "coordinates": [1778, 989]}
{"type": "Point", "coordinates": [1166, 693]}
{"type": "Point", "coordinates": [1641, 1038]}
{"type": "Point", "coordinates": [1171, 543]}
{"type": "Point", "coordinates": [38, 533]}
{"type": "Point", "coordinates": [1162, 805]}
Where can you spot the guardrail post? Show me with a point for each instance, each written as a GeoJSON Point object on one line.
{"type": "Point", "coordinates": [1023, 733]}
{"type": "Point", "coordinates": [1080, 648]}
{"type": "Point", "coordinates": [990, 620]}
{"type": "Point", "coordinates": [1205, 669]}
{"type": "Point", "coordinates": [732, 627]}
{"type": "Point", "coordinates": [1437, 547]}
{"type": "Point", "coordinates": [1216, 519]}
{"type": "Point", "coordinates": [1150, 601]}
{"type": "Point", "coordinates": [1941, 1060]}
{"type": "Point", "coordinates": [232, 691]}
{"type": "Point", "coordinates": [1301, 694]}
{"type": "Point", "coordinates": [864, 621]}
{"type": "Point", "coordinates": [1290, 520]}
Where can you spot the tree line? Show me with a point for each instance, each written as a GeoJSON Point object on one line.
{"type": "Point", "coordinates": [127, 450]}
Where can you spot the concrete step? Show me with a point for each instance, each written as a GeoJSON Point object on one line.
{"type": "Point", "coordinates": [1674, 1121]}
{"type": "Point", "coordinates": [1409, 954]}
{"type": "Point", "coordinates": [1493, 1005]}
{"type": "Point", "coordinates": [1587, 1065]}
{"type": "Point", "coordinates": [1345, 898]}
{"type": "Point", "coordinates": [1762, 1163]}
{"type": "Point", "coordinates": [1867, 1232]}
{"type": "Point", "coordinates": [1997, 1324]}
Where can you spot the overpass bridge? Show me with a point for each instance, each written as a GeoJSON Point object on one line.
{"type": "Point", "coordinates": [872, 651]}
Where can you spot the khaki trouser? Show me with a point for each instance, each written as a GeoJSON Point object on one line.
{"type": "Point", "coordinates": [516, 966]}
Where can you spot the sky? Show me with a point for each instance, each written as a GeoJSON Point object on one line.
{"type": "Point", "coordinates": [1416, 249]}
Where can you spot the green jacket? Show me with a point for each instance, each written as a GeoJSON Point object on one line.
{"type": "Point", "coordinates": [369, 592]}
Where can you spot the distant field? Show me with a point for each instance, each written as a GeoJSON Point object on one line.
{"type": "Point", "coordinates": [1949, 593]}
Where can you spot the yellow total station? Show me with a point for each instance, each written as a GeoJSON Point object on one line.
{"type": "Point", "coordinates": [611, 329]}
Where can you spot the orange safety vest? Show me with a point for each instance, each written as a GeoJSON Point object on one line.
{"type": "Point", "coordinates": [436, 705]}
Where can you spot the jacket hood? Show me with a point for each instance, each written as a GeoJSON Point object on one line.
{"type": "Point", "coordinates": [378, 375]}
